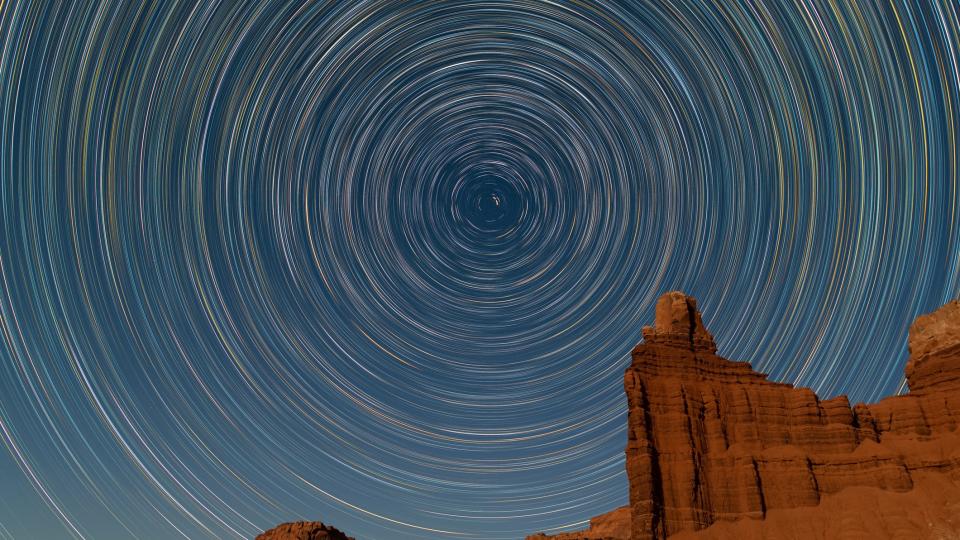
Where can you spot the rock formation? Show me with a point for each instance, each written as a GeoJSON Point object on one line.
{"type": "Point", "coordinates": [710, 441]}
{"type": "Point", "coordinates": [303, 530]}
{"type": "Point", "coordinates": [610, 526]}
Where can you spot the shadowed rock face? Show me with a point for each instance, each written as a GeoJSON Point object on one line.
{"type": "Point", "coordinates": [303, 530]}
{"type": "Point", "coordinates": [712, 441]}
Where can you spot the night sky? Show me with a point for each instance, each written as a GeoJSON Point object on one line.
{"type": "Point", "coordinates": [381, 263]}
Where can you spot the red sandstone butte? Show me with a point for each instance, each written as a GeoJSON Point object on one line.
{"type": "Point", "coordinates": [303, 530]}
{"type": "Point", "coordinates": [715, 450]}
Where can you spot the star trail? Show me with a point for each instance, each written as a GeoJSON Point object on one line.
{"type": "Point", "coordinates": [381, 263]}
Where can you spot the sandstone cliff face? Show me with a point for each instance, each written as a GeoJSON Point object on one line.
{"type": "Point", "coordinates": [710, 441]}
{"type": "Point", "coordinates": [303, 530]}
{"type": "Point", "coordinates": [930, 511]}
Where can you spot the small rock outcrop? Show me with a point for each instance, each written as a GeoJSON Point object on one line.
{"type": "Point", "coordinates": [935, 349]}
{"type": "Point", "coordinates": [716, 450]}
{"type": "Point", "coordinates": [610, 526]}
{"type": "Point", "coordinates": [303, 530]}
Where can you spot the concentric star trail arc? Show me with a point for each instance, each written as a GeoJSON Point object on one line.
{"type": "Point", "coordinates": [381, 263]}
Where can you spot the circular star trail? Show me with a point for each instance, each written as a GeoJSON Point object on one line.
{"type": "Point", "coordinates": [381, 263]}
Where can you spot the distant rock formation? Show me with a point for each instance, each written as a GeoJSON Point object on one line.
{"type": "Point", "coordinates": [711, 442]}
{"type": "Point", "coordinates": [303, 530]}
{"type": "Point", "coordinates": [610, 526]}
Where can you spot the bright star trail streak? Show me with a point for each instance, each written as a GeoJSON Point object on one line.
{"type": "Point", "coordinates": [381, 263]}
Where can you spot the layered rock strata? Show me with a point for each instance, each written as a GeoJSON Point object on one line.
{"type": "Point", "coordinates": [712, 441]}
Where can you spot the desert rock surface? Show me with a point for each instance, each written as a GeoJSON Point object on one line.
{"type": "Point", "coordinates": [715, 450]}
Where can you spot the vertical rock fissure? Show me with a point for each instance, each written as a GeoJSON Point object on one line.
{"type": "Point", "coordinates": [657, 519]}
{"type": "Point", "coordinates": [759, 482]}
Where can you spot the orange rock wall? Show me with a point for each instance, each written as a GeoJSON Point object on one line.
{"type": "Point", "coordinates": [710, 439]}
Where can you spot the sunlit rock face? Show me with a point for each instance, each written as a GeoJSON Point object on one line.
{"type": "Point", "coordinates": [716, 450]}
